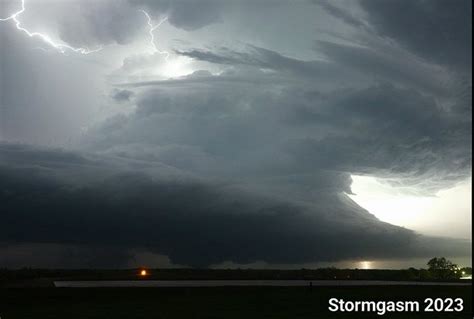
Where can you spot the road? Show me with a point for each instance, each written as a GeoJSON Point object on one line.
{"type": "Point", "coordinates": [235, 283]}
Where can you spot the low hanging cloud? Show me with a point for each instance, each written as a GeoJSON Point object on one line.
{"type": "Point", "coordinates": [193, 222]}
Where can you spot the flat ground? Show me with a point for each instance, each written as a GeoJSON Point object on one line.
{"type": "Point", "coordinates": [215, 302]}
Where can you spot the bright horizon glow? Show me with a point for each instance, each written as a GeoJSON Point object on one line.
{"type": "Point", "coordinates": [446, 214]}
{"type": "Point", "coordinates": [365, 265]}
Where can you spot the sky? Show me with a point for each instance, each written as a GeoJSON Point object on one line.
{"type": "Point", "coordinates": [267, 134]}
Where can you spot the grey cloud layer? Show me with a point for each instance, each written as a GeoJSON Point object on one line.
{"type": "Point", "coordinates": [339, 13]}
{"type": "Point", "coordinates": [194, 223]}
{"type": "Point", "coordinates": [383, 129]}
{"type": "Point", "coordinates": [120, 21]}
{"type": "Point", "coordinates": [439, 30]}
{"type": "Point", "coordinates": [86, 23]}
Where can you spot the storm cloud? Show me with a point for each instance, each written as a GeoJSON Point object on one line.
{"type": "Point", "coordinates": [110, 21]}
{"type": "Point", "coordinates": [406, 133]}
{"type": "Point", "coordinates": [439, 30]}
{"type": "Point", "coordinates": [233, 136]}
{"type": "Point", "coordinates": [193, 222]}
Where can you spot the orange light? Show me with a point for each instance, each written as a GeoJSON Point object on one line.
{"type": "Point", "coordinates": [143, 272]}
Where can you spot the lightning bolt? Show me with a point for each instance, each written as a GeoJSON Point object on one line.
{"type": "Point", "coordinates": [154, 48]}
{"type": "Point", "coordinates": [61, 47]}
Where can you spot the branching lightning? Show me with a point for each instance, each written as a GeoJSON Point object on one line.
{"type": "Point", "coordinates": [152, 29]}
{"type": "Point", "coordinates": [61, 47]}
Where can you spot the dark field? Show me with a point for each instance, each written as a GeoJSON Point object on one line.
{"type": "Point", "coordinates": [8, 277]}
{"type": "Point", "coordinates": [219, 302]}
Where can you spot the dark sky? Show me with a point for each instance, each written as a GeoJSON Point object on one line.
{"type": "Point", "coordinates": [230, 132]}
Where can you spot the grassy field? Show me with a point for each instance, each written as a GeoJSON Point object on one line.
{"type": "Point", "coordinates": [222, 302]}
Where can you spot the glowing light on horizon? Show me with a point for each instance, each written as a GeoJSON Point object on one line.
{"type": "Point", "coordinates": [429, 215]}
{"type": "Point", "coordinates": [61, 47]}
{"type": "Point", "coordinates": [365, 265]}
{"type": "Point", "coordinates": [143, 273]}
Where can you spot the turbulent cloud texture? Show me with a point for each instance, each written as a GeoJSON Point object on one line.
{"type": "Point", "coordinates": [78, 201]}
{"type": "Point", "coordinates": [245, 152]}
{"type": "Point", "coordinates": [438, 30]}
{"type": "Point", "coordinates": [121, 21]}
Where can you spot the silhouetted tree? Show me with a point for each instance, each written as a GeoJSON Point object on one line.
{"type": "Point", "coordinates": [442, 268]}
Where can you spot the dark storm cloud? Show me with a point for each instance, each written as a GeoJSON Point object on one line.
{"type": "Point", "coordinates": [322, 74]}
{"type": "Point", "coordinates": [261, 58]}
{"type": "Point", "coordinates": [57, 255]}
{"type": "Point", "coordinates": [194, 223]}
{"type": "Point", "coordinates": [381, 130]}
{"type": "Point", "coordinates": [345, 64]}
{"type": "Point", "coordinates": [438, 30]}
{"type": "Point", "coordinates": [389, 65]}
